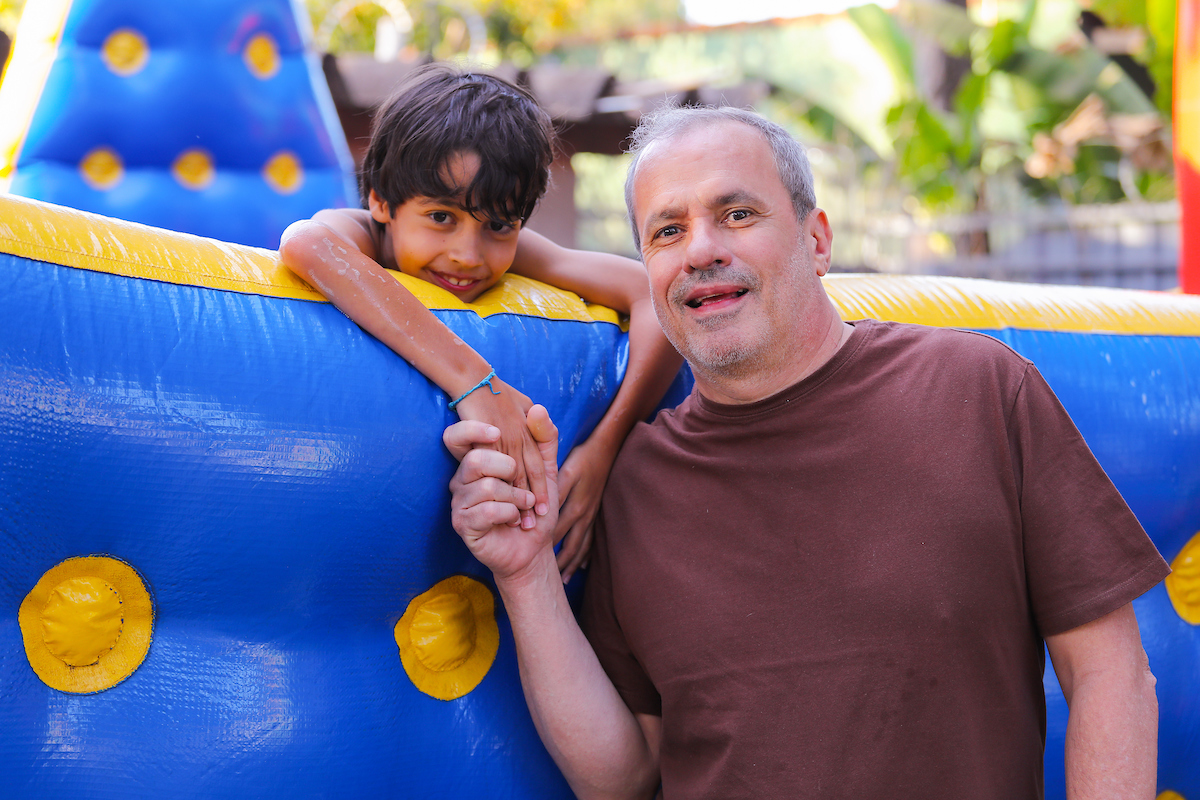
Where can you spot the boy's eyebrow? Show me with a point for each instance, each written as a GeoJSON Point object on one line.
{"type": "Point", "coordinates": [442, 201]}
{"type": "Point", "coordinates": [457, 202]}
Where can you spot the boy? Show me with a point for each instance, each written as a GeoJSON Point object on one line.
{"type": "Point", "coordinates": [456, 163]}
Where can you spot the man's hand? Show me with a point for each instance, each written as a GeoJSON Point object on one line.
{"type": "Point", "coordinates": [485, 505]}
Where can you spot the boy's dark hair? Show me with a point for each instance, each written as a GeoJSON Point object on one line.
{"type": "Point", "coordinates": [438, 111]}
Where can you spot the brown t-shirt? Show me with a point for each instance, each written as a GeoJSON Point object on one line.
{"type": "Point", "coordinates": [841, 590]}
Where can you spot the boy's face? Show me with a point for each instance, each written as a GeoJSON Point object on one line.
{"type": "Point", "coordinates": [436, 240]}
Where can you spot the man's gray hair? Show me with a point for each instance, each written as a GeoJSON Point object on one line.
{"type": "Point", "coordinates": [669, 121]}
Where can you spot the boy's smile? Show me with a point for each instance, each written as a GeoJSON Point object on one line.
{"type": "Point", "coordinates": [437, 240]}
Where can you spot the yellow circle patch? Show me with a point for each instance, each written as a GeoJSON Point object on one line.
{"type": "Point", "coordinates": [87, 624]}
{"type": "Point", "coordinates": [101, 168]}
{"type": "Point", "coordinates": [261, 55]}
{"type": "Point", "coordinates": [194, 169]}
{"type": "Point", "coordinates": [283, 173]}
{"type": "Point", "coordinates": [1183, 584]}
{"type": "Point", "coordinates": [1169, 795]}
{"type": "Point", "coordinates": [448, 637]}
{"type": "Point", "coordinates": [125, 52]}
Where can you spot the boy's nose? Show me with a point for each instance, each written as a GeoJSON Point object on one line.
{"type": "Point", "coordinates": [467, 251]}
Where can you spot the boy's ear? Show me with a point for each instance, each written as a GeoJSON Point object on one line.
{"type": "Point", "coordinates": [379, 209]}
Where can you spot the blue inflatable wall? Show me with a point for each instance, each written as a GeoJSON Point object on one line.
{"type": "Point", "coordinates": [221, 501]}
{"type": "Point", "coordinates": [206, 117]}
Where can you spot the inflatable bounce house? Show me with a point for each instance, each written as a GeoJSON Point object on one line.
{"type": "Point", "coordinates": [205, 117]}
{"type": "Point", "coordinates": [226, 565]}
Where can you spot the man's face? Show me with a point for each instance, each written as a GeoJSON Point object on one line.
{"type": "Point", "coordinates": [732, 271]}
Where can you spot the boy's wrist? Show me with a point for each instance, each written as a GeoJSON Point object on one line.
{"type": "Point", "coordinates": [486, 382]}
{"type": "Point", "coordinates": [460, 380]}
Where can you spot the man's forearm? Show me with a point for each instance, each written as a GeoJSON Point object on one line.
{"type": "Point", "coordinates": [1112, 727]}
{"type": "Point", "coordinates": [586, 726]}
{"type": "Point", "coordinates": [1112, 738]}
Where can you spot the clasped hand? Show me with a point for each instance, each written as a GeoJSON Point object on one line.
{"type": "Point", "coordinates": [486, 509]}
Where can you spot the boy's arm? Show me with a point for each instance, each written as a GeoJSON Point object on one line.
{"type": "Point", "coordinates": [621, 284]}
{"type": "Point", "coordinates": [334, 253]}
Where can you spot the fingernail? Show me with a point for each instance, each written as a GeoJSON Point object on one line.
{"type": "Point", "coordinates": [529, 499]}
{"type": "Point", "coordinates": [493, 431]}
{"type": "Point", "coordinates": [542, 508]}
{"type": "Point", "coordinates": [527, 522]}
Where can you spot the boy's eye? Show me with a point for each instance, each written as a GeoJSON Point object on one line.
{"type": "Point", "coordinates": [439, 217]}
{"type": "Point", "coordinates": [499, 227]}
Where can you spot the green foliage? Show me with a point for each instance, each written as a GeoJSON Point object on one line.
{"type": "Point", "coordinates": [1050, 117]}
{"type": "Point", "coordinates": [517, 30]}
{"type": "Point", "coordinates": [882, 31]}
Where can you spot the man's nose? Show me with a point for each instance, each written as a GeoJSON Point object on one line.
{"type": "Point", "coordinates": [706, 248]}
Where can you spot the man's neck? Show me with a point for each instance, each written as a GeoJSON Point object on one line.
{"type": "Point", "coordinates": [762, 382]}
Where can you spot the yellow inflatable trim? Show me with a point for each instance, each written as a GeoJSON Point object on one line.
{"type": "Point", "coordinates": [448, 637]}
{"type": "Point", "coordinates": [59, 235]}
{"type": "Point", "coordinates": [996, 305]}
{"type": "Point", "coordinates": [87, 624]}
{"type": "Point", "coordinates": [88, 241]}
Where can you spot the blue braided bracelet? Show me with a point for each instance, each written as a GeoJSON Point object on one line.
{"type": "Point", "coordinates": [487, 381]}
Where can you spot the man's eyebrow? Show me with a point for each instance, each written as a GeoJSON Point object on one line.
{"type": "Point", "coordinates": [738, 197]}
{"type": "Point", "coordinates": [662, 216]}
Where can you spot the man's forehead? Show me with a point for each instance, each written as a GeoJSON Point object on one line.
{"type": "Point", "coordinates": [721, 164]}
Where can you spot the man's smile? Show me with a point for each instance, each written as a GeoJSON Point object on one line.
{"type": "Point", "coordinates": [710, 298]}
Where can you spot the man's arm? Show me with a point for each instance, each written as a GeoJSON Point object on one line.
{"type": "Point", "coordinates": [1112, 728]}
{"type": "Point", "coordinates": [602, 748]}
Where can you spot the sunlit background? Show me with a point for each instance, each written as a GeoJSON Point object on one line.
{"type": "Point", "coordinates": [1013, 139]}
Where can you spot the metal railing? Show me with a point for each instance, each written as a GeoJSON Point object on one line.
{"type": "Point", "coordinates": [1130, 245]}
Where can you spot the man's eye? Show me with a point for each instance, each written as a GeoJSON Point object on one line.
{"type": "Point", "coordinates": [738, 214]}
{"type": "Point", "coordinates": [670, 230]}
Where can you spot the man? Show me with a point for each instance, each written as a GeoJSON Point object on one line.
{"type": "Point", "coordinates": [830, 571]}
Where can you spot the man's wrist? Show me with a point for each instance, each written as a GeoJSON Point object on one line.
{"type": "Point", "coordinates": [534, 578]}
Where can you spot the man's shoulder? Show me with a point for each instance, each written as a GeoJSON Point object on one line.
{"type": "Point", "coordinates": [647, 433]}
{"type": "Point", "coordinates": [957, 344]}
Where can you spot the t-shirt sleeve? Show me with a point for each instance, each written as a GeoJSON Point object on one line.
{"type": "Point", "coordinates": [1086, 554]}
{"type": "Point", "coordinates": [599, 622]}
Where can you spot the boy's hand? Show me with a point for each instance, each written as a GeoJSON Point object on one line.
{"type": "Point", "coordinates": [485, 504]}
{"type": "Point", "coordinates": [580, 485]}
{"type": "Point", "coordinates": [507, 412]}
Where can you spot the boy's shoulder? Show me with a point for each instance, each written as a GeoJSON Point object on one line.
{"type": "Point", "coordinates": [353, 224]}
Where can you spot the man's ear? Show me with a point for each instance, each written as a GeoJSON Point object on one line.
{"type": "Point", "coordinates": [819, 236]}
{"type": "Point", "coordinates": [379, 209]}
